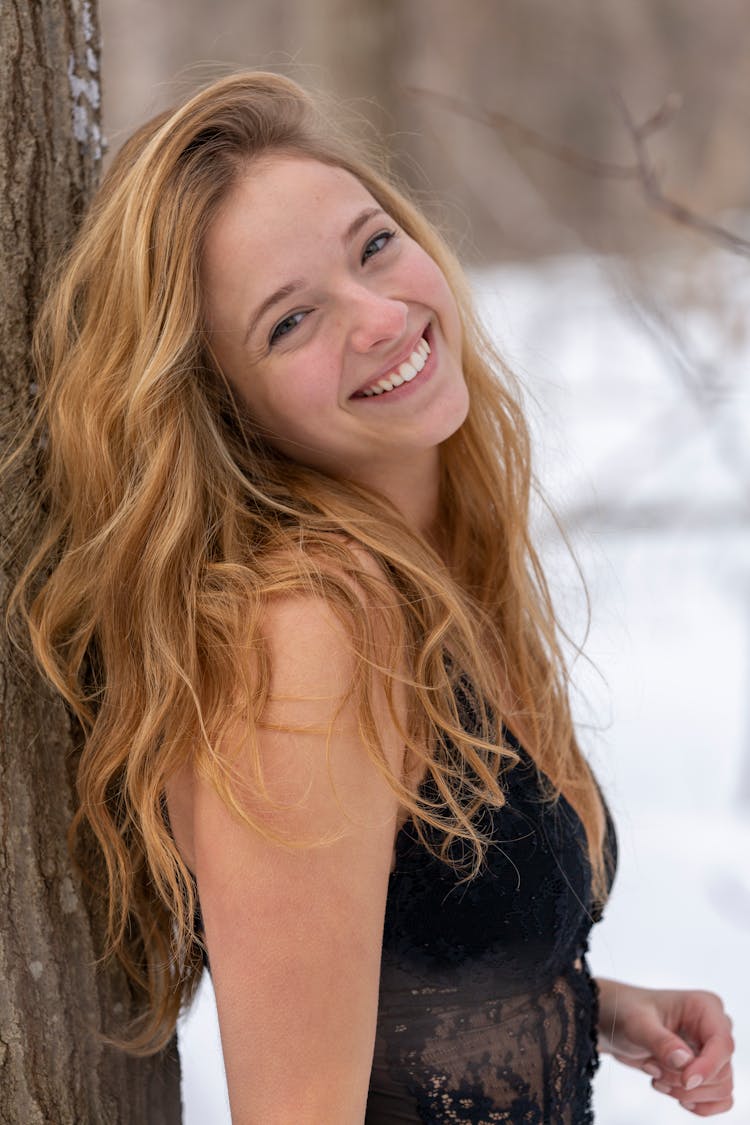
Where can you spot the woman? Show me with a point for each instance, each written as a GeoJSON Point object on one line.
{"type": "Point", "coordinates": [293, 600]}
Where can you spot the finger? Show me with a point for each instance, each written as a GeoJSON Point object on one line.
{"type": "Point", "coordinates": [672, 1053]}
{"type": "Point", "coordinates": [722, 1080]}
{"type": "Point", "coordinates": [715, 1054]}
{"type": "Point", "coordinates": [703, 1021]}
{"type": "Point", "coordinates": [707, 1096]}
{"type": "Point", "coordinates": [710, 1108]}
{"type": "Point", "coordinates": [710, 1094]}
{"type": "Point", "coordinates": [661, 1045]}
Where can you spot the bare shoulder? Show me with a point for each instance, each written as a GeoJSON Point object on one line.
{"type": "Point", "coordinates": [308, 643]}
{"type": "Point", "coordinates": [312, 637]}
{"type": "Point", "coordinates": [309, 723]}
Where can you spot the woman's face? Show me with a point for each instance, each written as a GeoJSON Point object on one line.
{"type": "Point", "coordinates": [316, 304]}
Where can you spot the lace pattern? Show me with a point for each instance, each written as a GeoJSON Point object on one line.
{"type": "Point", "coordinates": [487, 1009]}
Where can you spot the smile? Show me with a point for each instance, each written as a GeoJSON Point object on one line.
{"type": "Point", "coordinates": [404, 373]}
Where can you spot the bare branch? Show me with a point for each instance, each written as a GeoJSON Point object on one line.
{"type": "Point", "coordinates": [641, 172]}
{"type": "Point", "coordinates": [649, 180]}
{"type": "Point", "coordinates": [663, 116]}
{"type": "Point", "coordinates": [531, 137]}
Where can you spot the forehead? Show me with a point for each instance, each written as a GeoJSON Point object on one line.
{"type": "Point", "coordinates": [282, 193]}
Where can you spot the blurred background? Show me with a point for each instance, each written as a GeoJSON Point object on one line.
{"type": "Point", "coordinates": [589, 161]}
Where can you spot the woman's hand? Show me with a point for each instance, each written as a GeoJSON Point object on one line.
{"type": "Point", "coordinates": [681, 1039]}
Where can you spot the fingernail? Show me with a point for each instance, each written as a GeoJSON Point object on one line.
{"type": "Point", "coordinates": [688, 1105]}
{"type": "Point", "coordinates": [652, 1069]}
{"type": "Point", "coordinates": [679, 1058]}
{"type": "Point", "coordinates": [693, 1082]}
{"type": "Point", "coordinates": [662, 1087]}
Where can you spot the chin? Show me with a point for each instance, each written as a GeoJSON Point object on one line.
{"type": "Point", "coordinates": [456, 413]}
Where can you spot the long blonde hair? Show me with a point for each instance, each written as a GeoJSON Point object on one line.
{"type": "Point", "coordinates": [171, 523]}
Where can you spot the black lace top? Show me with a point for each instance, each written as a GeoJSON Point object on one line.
{"type": "Point", "coordinates": [487, 1010]}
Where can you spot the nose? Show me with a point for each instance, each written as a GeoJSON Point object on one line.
{"type": "Point", "coordinates": [376, 319]}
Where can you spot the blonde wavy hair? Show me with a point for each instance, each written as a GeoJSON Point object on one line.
{"type": "Point", "coordinates": [170, 523]}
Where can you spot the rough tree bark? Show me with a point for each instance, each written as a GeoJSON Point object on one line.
{"type": "Point", "coordinates": [54, 1066]}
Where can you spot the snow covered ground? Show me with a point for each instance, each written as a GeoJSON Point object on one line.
{"type": "Point", "coordinates": [663, 708]}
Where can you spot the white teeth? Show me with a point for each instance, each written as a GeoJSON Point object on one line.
{"type": "Point", "coordinates": [406, 372]}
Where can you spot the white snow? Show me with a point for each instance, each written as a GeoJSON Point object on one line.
{"type": "Point", "coordinates": [662, 706]}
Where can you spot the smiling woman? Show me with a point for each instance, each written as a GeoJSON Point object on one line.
{"type": "Point", "coordinates": [288, 588]}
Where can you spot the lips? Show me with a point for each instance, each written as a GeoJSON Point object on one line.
{"type": "Point", "coordinates": [401, 373]}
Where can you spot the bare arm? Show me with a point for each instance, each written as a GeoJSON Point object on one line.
{"type": "Point", "coordinates": [294, 938]}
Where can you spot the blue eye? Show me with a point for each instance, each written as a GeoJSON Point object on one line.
{"type": "Point", "coordinates": [285, 326]}
{"type": "Point", "coordinates": [378, 243]}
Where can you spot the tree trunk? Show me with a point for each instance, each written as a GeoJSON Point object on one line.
{"type": "Point", "coordinates": [54, 1065]}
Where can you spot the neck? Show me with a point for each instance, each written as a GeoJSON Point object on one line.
{"type": "Point", "coordinates": [414, 489]}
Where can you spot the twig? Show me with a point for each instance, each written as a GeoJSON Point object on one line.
{"type": "Point", "coordinates": [557, 149]}
{"type": "Point", "coordinates": [646, 174]}
{"type": "Point", "coordinates": [642, 171]}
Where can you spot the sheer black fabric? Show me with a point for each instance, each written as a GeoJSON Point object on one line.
{"type": "Point", "coordinates": [487, 1010]}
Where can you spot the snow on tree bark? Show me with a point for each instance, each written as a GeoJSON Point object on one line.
{"type": "Point", "coordinates": [54, 1004]}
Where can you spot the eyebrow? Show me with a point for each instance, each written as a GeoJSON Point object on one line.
{"type": "Point", "coordinates": [364, 217]}
{"type": "Point", "coordinates": [292, 287]}
{"type": "Point", "coordinates": [277, 295]}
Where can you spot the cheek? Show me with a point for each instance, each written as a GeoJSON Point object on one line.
{"type": "Point", "coordinates": [294, 397]}
{"type": "Point", "coordinates": [436, 290]}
